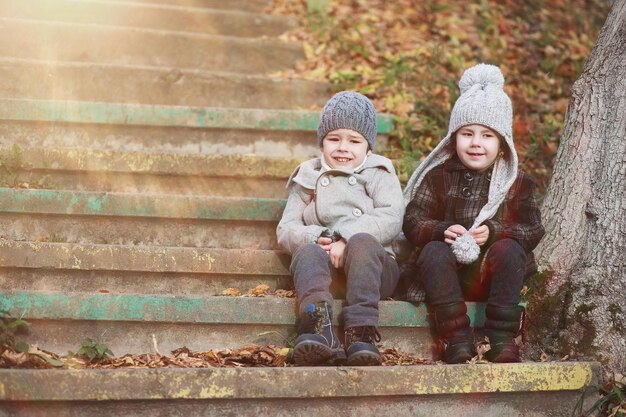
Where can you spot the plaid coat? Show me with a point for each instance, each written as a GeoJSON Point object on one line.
{"type": "Point", "coordinates": [453, 194]}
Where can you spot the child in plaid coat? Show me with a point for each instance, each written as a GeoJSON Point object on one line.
{"type": "Point", "coordinates": [474, 222]}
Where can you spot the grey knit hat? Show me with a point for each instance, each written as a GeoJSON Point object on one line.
{"type": "Point", "coordinates": [482, 101]}
{"type": "Point", "coordinates": [348, 110]}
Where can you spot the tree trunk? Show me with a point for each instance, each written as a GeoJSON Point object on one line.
{"type": "Point", "coordinates": [584, 251]}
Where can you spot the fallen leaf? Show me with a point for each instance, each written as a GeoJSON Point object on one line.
{"type": "Point", "coordinates": [285, 293]}
{"type": "Point", "coordinates": [231, 292]}
{"type": "Point", "coordinates": [259, 291]}
{"type": "Point", "coordinates": [14, 358]}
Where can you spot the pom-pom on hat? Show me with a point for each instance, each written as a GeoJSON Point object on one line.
{"type": "Point", "coordinates": [484, 102]}
{"type": "Point", "coordinates": [349, 110]}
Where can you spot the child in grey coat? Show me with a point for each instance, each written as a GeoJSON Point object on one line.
{"type": "Point", "coordinates": [344, 210]}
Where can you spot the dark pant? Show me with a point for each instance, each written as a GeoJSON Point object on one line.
{"type": "Point", "coordinates": [496, 277]}
{"type": "Point", "coordinates": [370, 274]}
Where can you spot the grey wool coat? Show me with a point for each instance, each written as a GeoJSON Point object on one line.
{"type": "Point", "coordinates": [334, 201]}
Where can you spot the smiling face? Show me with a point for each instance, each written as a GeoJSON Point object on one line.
{"type": "Point", "coordinates": [477, 146]}
{"type": "Point", "coordinates": [344, 148]}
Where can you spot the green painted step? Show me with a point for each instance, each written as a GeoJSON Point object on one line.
{"type": "Point", "coordinates": [156, 128]}
{"type": "Point", "coordinates": [140, 219]}
{"type": "Point", "coordinates": [197, 322]}
{"type": "Point", "coordinates": [511, 390]}
{"type": "Point", "coordinates": [185, 309]}
{"type": "Point", "coordinates": [33, 39]}
{"type": "Point", "coordinates": [152, 16]}
{"type": "Point", "coordinates": [154, 85]}
{"type": "Point", "coordinates": [138, 205]}
{"type": "Point", "coordinates": [172, 116]}
{"type": "Point", "coordinates": [152, 173]}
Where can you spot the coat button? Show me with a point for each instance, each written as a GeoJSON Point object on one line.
{"type": "Point", "coordinates": [467, 192]}
{"type": "Point", "coordinates": [468, 176]}
{"type": "Point", "coordinates": [324, 181]}
{"type": "Point", "coordinates": [357, 212]}
{"type": "Point", "coordinates": [351, 180]}
{"type": "Point", "coordinates": [484, 193]}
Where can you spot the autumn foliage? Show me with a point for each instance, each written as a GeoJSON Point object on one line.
{"type": "Point", "coordinates": [408, 56]}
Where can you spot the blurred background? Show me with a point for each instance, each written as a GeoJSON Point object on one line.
{"type": "Point", "coordinates": [408, 56]}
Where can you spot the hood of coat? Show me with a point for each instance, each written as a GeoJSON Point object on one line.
{"type": "Point", "coordinates": [307, 173]}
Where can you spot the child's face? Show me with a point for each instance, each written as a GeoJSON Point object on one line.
{"type": "Point", "coordinates": [344, 148]}
{"type": "Point", "coordinates": [477, 146]}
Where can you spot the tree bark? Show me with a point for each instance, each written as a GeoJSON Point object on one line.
{"type": "Point", "coordinates": [584, 250]}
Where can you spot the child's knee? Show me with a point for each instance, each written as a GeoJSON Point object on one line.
{"type": "Point", "coordinates": [437, 250]}
{"type": "Point", "coordinates": [507, 249]}
{"type": "Point", "coordinates": [308, 251]}
{"type": "Point", "coordinates": [363, 243]}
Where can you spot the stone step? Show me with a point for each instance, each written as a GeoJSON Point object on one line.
{"type": "Point", "coordinates": [34, 79]}
{"type": "Point", "coordinates": [64, 256]}
{"type": "Point", "coordinates": [486, 390]}
{"type": "Point", "coordinates": [73, 42]}
{"type": "Point", "coordinates": [44, 266]}
{"type": "Point", "coordinates": [247, 5]}
{"type": "Point", "coordinates": [156, 128]}
{"type": "Point", "coordinates": [152, 16]}
{"type": "Point", "coordinates": [60, 320]}
{"type": "Point", "coordinates": [147, 173]}
{"type": "Point", "coordinates": [139, 219]}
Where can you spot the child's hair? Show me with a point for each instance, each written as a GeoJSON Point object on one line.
{"type": "Point", "coordinates": [349, 110]}
{"type": "Point", "coordinates": [483, 102]}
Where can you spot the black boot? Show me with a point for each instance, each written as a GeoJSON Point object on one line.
{"type": "Point", "coordinates": [452, 327]}
{"type": "Point", "coordinates": [361, 348]}
{"type": "Point", "coordinates": [317, 342]}
{"type": "Point", "coordinates": [502, 327]}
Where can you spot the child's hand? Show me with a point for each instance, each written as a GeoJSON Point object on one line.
{"type": "Point", "coordinates": [336, 253]}
{"type": "Point", "coordinates": [325, 243]}
{"type": "Point", "coordinates": [452, 232]}
{"type": "Point", "coordinates": [481, 234]}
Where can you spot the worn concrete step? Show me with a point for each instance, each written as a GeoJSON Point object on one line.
{"type": "Point", "coordinates": [152, 16]}
{"type": "Point", "coordinates": [247, 5]}
{"type": "Point", "coordinates": [155, 128]}
{"type": "Point", "coordinates": [63, 256]}
{"type": "Point", "coordinates": [60, 320]}
{"type": "Point", "coordinates": [487, 390]}
{"type": "Point", "coordinates": [73, 42]}
{"type": "Point", "coordinates": [125, 269]}
{"type": "Point", "coordinates": [139, 219]}
{"type": "Point", "coordinates": [147, 173]}
{"type": "Point", "coordinates": [34, 79]}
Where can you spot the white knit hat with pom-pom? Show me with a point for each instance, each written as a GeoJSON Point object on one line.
{"type": "Point", "coordinates": [484, 102]}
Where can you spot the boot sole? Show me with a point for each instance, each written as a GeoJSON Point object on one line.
{"type": "Point", "coordinates": [315, 353]}
{"type": "Point", "coordinates": [364, 359]}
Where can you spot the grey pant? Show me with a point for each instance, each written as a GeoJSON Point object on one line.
{"type": "Point", "coordinates": [370, 274]}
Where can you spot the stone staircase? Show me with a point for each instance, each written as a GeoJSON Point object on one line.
{"type": "Point", "coordinates": [145, 147]}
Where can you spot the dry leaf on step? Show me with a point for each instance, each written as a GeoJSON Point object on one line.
{"type": "Point", "coordinates": [231, 292]}
{"type": "Point", "coordinates": [285, 293]}
{"type": "Point", "coordinates": [259, 291]}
